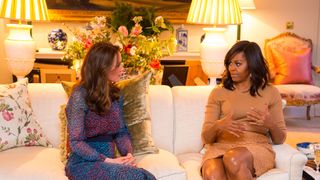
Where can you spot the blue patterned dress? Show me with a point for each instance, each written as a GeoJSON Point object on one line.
{"type": "Point", "coordinates": [93, 138]}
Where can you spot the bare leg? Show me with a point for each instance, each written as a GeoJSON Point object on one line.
{"type": "Point", "coordinates": [213, 169]}
{"type": "Point", "coordinates": [238, 163]}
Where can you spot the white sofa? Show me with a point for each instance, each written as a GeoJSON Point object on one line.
{"type": "Point", "coordinates": [177, 115]}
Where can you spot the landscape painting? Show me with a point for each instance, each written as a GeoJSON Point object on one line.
{"type": "Point", "coordinates": [83, 10]}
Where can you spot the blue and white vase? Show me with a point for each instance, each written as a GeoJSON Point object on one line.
{"type": "Point", "coordinates": [57, 39]}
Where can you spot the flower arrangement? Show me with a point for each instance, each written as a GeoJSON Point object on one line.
{"type": "Point", "coordinates": [137, 35]}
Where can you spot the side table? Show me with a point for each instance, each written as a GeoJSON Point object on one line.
{"type": "Point", "coordinates": [309, 172]}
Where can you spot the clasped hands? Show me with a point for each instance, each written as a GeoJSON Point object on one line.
{"type": "Point", "coordinates": [254, 117]}
{"type": "Point", "coordinates": [126, 160]}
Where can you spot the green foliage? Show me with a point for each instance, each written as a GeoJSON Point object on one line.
{"type": "Point", "coordinates": [122, 16]}
{"type": "Point", "coordinates": [124, 13]}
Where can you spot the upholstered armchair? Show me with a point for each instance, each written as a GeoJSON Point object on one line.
{"type": "Point", "coordinates": [289, 59]}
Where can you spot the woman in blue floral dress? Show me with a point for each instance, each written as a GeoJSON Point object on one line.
{"type": "Point", "coordinates": [95, 121]}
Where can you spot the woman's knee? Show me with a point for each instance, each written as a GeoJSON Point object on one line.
{"type": "Point", "coordinates": [213, 170]}
{"type": "Point", "coordinates": [236, 159]}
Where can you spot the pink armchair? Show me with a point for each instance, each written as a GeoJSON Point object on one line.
{"type": "Point", "coordinates": [290, 62]}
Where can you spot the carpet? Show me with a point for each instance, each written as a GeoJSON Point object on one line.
{"type": "Point", "coordinates": [302, 130]}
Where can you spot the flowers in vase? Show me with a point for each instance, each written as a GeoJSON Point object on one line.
{"type": "Point", "coordinates": [137, 35]}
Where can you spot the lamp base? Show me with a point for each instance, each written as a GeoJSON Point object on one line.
{"type": "Point", "coordinates": [20, 49]}
{"type": "Point", "coordinates": [213, 81]}
{"type": "Point", "coordinates": [20, 67]}
{"type": "Point", "coordinates": [212, 52]}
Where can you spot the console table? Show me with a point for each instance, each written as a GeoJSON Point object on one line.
{"type": "Point", "coordinates": [50, 68]}
{"type": "Point", "coordinates": [48, 59]}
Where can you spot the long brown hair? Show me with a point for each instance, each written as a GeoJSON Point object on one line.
{"type": "Point", "coordinates": [96, 65]}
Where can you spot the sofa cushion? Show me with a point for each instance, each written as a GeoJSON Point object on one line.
{"type": "Point", "coordinates": [162, 114]}
{"type": "Point", "coordinates": [293, 66]}
{"type": "Point", "coordinates": [17, 121]}
{"type": "Point", "coordinates": [191, 163]}
{"type": "Point", "coordinates": [299, 94]}
{"type": "Point", "coordinates": [189, 106]}
{"type": "Point", "coordinates": [163, 165]}
{"type": "Point", "coordinates": [31, 163]}
{"type": "Point", "coordinates": [64, 134]}
{"type": "Point", "coordinates": [46, 100]}
{"type": "Point", "coordinates": [136, 110]}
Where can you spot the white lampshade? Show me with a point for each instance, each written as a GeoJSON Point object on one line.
{"type": "Point", "coordinates": [213, 48]}
{"type": "Point", "coordinates": [19, 45]}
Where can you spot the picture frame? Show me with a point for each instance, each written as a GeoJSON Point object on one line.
{"type": "Point", "coordinates": [176, 11]}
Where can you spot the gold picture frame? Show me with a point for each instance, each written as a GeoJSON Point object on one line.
{"type": "Point", "coordinates": [175, 11]}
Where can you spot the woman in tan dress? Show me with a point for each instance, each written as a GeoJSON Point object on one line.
{"type": "Point", "coordinates": [243, 118]}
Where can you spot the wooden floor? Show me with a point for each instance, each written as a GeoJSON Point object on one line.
{"type": "Point", "coordinates": [302, 130]}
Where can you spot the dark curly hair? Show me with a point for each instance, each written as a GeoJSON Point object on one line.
{"type": "Point", "coordinates": [257, 66]}
{"type": "Point", "coordinates": [96, 65]}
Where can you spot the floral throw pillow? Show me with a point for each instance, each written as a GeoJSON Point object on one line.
{"type": "Point", "coordinates": [18, 126]}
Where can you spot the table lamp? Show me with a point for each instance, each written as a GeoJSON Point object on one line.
{"type": "Point", "coordinates": [214, 47]}
{"type": "Point", "coordinates": [19, 46]}
{"type": "Point", "coordinates": [244, 4]}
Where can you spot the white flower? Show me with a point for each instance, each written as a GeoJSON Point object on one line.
{"type": "Point", "coordinates": [133, 50]}
{"type": "Point", "coordinates": [137, 19]}
{"type": "Point", "coordinates": [159, 21]}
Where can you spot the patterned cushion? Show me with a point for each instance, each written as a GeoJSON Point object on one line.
{"type": "Point", "coordinates": [18, 126]}
{"type": "Point", "coordinates": [299, 94]}
{"type": "Point", "coordinates": [136, 113]}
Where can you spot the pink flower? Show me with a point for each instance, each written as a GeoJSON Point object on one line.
{"type": "Point", "coordinates": [123, 30]}
{"type": "Point", "coordinates": [136, 30]}
{"type": "Point", "coordinates": [7, 115]}
{"type": "Point", "coordinates": [29, 130]}
{"type": "Point", "coordinates": [155, 64]}
{"type": "Point", "coordinates": [35, 131]}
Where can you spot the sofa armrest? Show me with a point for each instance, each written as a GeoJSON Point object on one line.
{"type": "Point", "coordinates": [290, 159]}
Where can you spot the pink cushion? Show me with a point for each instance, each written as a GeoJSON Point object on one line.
{"type": "Point", "coordinates": [293, 66]}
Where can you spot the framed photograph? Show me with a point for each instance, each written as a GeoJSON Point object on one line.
{"type": "Point", "coordinates": [57, 75]}
{"type": "Point", "coordinates": [175, 11]}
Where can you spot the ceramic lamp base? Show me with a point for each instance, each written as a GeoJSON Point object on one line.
{"type": "Point", "coordinates": [212, 51]}
{"type": "Point", "coordinates": [20, 49]}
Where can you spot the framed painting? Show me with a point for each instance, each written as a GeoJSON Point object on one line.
{"type": "Point", "coordinates": [175, 11]}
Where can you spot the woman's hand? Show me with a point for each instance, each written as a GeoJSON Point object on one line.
{"type": "Point", "coordinates": [230, 125]}
{"type": "Point", "coordinates": [260, 118]}
{"type": "Point", "coordinates": [126, 160]}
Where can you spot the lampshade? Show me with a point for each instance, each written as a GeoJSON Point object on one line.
{"type": "Point", "coordinates": [213, 48]}
{"type": "Point", "coordinates": [247, 4]}
{"type": "Point", "coordinates": [215, 12]}
{"type": "Point", "coordinates": [32, 10]}
{"type": "Point", "coordinates": [19, 46]}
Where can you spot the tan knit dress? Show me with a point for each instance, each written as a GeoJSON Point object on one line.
{"type": "Point", "coordinates": [221, 102]}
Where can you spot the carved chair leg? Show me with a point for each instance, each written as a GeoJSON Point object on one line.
{"type": "Point", "coordinates": [308, 112]}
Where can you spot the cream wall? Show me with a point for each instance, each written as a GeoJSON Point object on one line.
{"type": "Point", "coordinates": [267, 20]}
{"type": "Point", "coordinates": [5, 75]}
